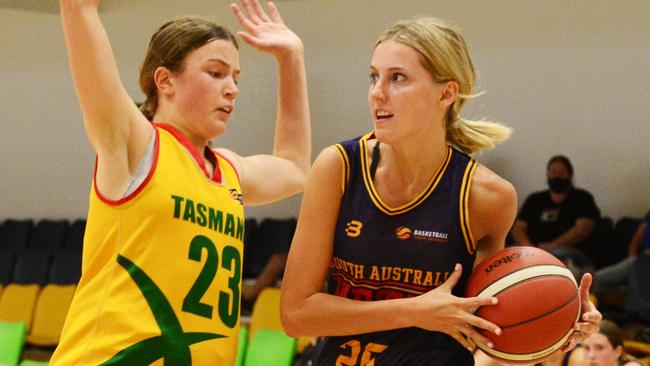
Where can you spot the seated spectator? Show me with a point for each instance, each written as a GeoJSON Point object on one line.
{"type": "Point", "coordinates": [272, 272]}
{"type": "Point", "coordinates": [616, 275]}
{"type": "Point", "coordinates": [272, 240]}
{"type": "Point", "coordinates": [605, 348]}
{"type": "Point", "coordinates": [559, 219]}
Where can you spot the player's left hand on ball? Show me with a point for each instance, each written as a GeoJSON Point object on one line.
{"type": "Point", "coordinates": [439, 310]}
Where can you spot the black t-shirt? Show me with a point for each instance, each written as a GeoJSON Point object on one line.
{"type": "Point", "coordinates": [547, 220]}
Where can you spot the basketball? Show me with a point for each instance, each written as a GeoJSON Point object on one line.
{"type": "Point", "coordinates": [538, 304]}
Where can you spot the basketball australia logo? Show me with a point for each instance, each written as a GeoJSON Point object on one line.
{"type": "Point", "coordinates": [405, 233]}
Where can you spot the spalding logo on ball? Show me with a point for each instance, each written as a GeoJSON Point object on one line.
{"type": "Point", "coordinates": [538, 304]}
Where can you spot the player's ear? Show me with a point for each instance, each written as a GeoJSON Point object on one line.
{"type": "Point", "coordinates": [449, 93]}
{"type": "Point", "coordinates": [163, 78]}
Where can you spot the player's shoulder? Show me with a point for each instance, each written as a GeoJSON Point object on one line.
{"type": "Point", "coordinates": [487, 182]}
{"type": "Point", "coordinates": [492, 197]}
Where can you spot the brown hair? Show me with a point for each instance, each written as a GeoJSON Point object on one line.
{"type": "Point", "coordinates": [612, 331]}
{"type": "Point", "coordinates": [444, 53]}
{"type": "Point", "coordinates": [168, 48]}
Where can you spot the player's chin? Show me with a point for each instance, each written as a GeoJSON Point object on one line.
{"type": "Point", "coordinates": [217, 127]}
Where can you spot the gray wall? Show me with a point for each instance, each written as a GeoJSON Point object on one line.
{"type": "Point", "coordinates": [570, 77]}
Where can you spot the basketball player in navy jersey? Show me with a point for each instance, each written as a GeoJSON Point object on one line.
{"type": "Point", "coordinates": [394, 220]}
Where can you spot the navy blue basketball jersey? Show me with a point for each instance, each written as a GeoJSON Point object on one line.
{"type": "Point", "coordinates": [383, 252]}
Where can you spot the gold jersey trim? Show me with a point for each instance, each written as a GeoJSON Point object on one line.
{"type": "Point", "coordinates": [374, 196]}
{"type": "Point", "coordinates": [345, 166]}
{"type": "Point", "coordinates": [464, 206]}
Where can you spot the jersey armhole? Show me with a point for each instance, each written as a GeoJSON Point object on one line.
{"type": "Point", "coordinates": [132, 192]}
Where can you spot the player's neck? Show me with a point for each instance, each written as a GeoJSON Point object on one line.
{"type": "Point", "coordinates": [404, 172]}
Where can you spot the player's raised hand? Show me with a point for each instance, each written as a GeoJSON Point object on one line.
{"type": "Point", "coordinates": [266, 32]}
{"type": "Point", "coordinates": [439, 310]}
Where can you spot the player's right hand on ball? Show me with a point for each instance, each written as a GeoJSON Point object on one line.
{"type": "Point", "coordinates": [438, 310]}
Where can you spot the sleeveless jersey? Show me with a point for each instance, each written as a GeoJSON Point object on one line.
{"type": "Point", "coordinates": [382, 252]}
{"type": "Point", "coordinates": [161, 267]}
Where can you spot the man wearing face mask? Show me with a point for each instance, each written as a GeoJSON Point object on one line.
{"type": "Point", "coordinates": [559, 219]}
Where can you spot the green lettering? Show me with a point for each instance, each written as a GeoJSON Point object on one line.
{"type": "Point", "coordinates": [202, 220]}
{"type": "Point", "coordinates": [188, 215]}
{"type": "Point", "coordinates": [192, 302]}
{"type": "Point", "coordinates": [229, 303]}
{"type": "Point", "coordinates": [215, 220]}
{"type": "Point", "coordinates": [230, 225]}
{"type": "Point", "coordinates": [240, 228]}
{"type": "Point", "coordinates": [177, 205]}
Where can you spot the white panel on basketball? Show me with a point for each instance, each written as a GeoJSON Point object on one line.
{"type": "Point", "coordinates": [524, 274]}
{"type": "Point", "coordinates": [513, 278]}
{"type": "Point", "coordinates": [527, 356]}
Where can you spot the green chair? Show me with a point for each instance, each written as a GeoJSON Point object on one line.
{"type": "Point", "coordinates": [12, 340]}
{"type": "Point", "coordinates": [270, 347]}
{"type": "Point", "coordinates": [241, 348]}
{"type": "Point", "coordinates": [33, 363]}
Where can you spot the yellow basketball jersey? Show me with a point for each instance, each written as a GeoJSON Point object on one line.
{"type": "Point", "coordinates": [161, 268]}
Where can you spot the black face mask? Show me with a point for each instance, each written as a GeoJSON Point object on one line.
{"type": "Point", "coordinates": [559, 185]}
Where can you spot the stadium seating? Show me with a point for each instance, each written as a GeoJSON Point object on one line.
{"type": "Point", "coordinates": [17, 303]}
{"type": "Point", "coordinates": [7, 259]}
{"type": "Point", "coordinates": [271, 236]}
{"type": "Point", "coordinates": [50, 311]}
{"type": "Point", "coordinates": [65, 268]}
{"type": "Point", "coordinates": [48, 235]}
{"type": "Point", "coordinates": [14, 234]}
{"type": "Point", "coordinates": [12, 340]}
{"type": "Point", "coordinates": [242, 346]}
{"type": "Point", "coordinates": [74, 236]}
{"type": "Point", "coordinates": [270, 347]}
{"type": "Point", "coordinates": [31, 267]}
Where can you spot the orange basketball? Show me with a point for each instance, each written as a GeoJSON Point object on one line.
{"type": "Point", "coordinates": [538, 304]}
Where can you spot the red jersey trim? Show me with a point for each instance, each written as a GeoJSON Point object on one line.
{"type": "Point", "coordinates": [229, 162]}
{"type": "Point", "coordinates": [216, 175]}
{"type": "Point", "coordinates": [146, 180]}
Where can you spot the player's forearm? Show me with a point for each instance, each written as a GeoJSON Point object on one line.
{"type": "Point", "coordinates": [94, 70]}
{"type": "Point", "coordinates": [327, 315]}
{"type": "Point", "coordinates": [293, 128]}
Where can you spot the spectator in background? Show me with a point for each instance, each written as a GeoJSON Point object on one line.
{"type": "Point", "coordinates": [559, 219]}
{"type": "Point", "coordinates": [631, 274]}
{"type": "Point", "coordinates": [616, 275]}
{"type": "Point", "coordinates": [269, 277]}
{"type": "Point", "coordinates": [605, 348]}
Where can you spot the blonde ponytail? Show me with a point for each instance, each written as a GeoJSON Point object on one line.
{"type": "Point", "coordinates": [473, 137]}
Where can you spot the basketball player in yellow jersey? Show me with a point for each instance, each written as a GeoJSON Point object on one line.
{"type": "Point", "coordinates": [163, 247]}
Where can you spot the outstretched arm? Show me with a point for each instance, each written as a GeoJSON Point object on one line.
{"type": "Point", "coordinates": [268, 178]}
{"type": "Point", "coordinates": [115, 127]}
